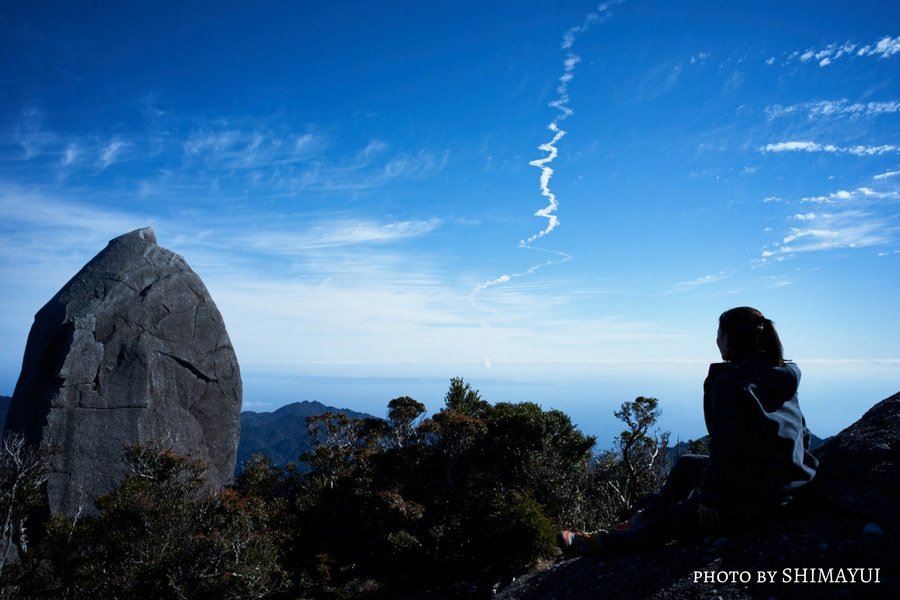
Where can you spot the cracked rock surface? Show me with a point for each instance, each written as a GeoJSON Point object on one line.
{"type": "Point", "coordinates": [131, 350]}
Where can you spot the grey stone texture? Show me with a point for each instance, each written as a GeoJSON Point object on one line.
{"type": "Point", "coordinates": [131, 350]}
{"type": "Point", "coordinates": [860, 467]}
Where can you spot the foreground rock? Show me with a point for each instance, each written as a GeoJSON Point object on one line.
{"type": "Point", "coordinates": [837, 550]}
{"type": "Point", "coordinates": [860, 467]}
{"type": "Point", "coordinates": [131, 350]}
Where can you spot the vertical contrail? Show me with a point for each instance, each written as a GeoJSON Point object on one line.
{"type": "Point", "coordinates": [546, 174]}
{"type": "Point", "coordinates": [561, 103]}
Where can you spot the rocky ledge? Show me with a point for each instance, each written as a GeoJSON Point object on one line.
{"type": "Point", "coordinates": [846, 546]}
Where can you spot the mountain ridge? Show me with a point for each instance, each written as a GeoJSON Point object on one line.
{"type": "Point", "coordinates": [281, 435]}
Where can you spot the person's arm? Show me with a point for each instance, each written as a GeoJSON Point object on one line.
{"type": "Point", "coordinates": [725, 422]}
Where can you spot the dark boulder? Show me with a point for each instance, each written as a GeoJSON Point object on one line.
{"type": "Point", "coordinates": [860, 467]}
{"type": "Point", "coordinates": [131, 350]}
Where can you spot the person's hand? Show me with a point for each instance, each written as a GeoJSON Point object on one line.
{"type": "Point", "coordinates": [709, 517]}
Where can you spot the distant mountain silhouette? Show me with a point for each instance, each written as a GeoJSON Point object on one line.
{"type": "Point", "coordinates": [281, 435]}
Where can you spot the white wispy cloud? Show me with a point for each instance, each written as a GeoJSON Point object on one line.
{"type": "Point", "coordinates": [243, 153]}
{"type": "Point", "coordinates": [231, 148]}
{"type": "Point", "coordinates": [372, 149]}
{"type": "Point", "coordinates": [851, 229]}
{"type": "Point", "coordinates": [27, 133]}
{"type": "Point", "coordinates": [805, 146]}
{"type": "Point", "coordinates": [305, 143]}
{"type": "Point", "coordinates": [887, 175]}
{"type": "Point", "coordinates": [29, 209]}
{"type": "Point", "coordinates": [883, 48]}
{"type": "Point", "coordinates": [826, 55]}
{"type": "Point", "coordinates": [693, 283]}
{"type": "Point", "coordinates": [70, 154]}
{"type": "Point", "coordinates": [859, 218]}
{"type": "Point", "coordinates": [852, 195]}
{"type": "Point", "coordinates": [602, 13]}
{"type": "Point", "coordinates": [699, 58]}
{"type": "Point", "coordinates": [45, 239]}
{"type": "Point", "coordinates": [412, 166]}
{"type": "Point", "coordinates": [110, 153]}
{"type": "Point", "coordinates": [338, 234]}
{"type": "Point", "coordinates": [834, 108]}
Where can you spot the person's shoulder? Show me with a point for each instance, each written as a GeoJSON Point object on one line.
{"type": "Point", "coordinates": [791, 366]}
{"type": "Point", "coordinates": [723, 371]}
{"type": "Point", "coordinates": [763, 368]}
{"type": "Point", "coordinates": [742, 371]}
{"type": "Point", "coordinates": [722, 367]}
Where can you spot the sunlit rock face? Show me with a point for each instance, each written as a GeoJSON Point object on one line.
{"type": "Point", "coordinates": [131, 350]}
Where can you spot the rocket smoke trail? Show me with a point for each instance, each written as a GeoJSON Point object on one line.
{"type": "Point", "coordinates": [562, 104]}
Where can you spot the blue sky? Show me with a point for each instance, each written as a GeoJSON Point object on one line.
{"type": "Point", "coordinates": [554, 200]}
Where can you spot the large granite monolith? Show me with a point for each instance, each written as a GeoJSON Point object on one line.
{"type": "Point", "coordinates": [131, 350]}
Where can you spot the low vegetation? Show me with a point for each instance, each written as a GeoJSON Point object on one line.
{"type": "Point", "coordinates": [475, 492]}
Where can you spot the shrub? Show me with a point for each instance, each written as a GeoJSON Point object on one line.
{"type": "Point", "coordinates": [517, 534]}
{"type": "Point", "coordinates": [23, 470]}
{"type": "Point", "coordinates": [161, 534]}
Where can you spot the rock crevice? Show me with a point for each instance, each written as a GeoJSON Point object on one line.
{"type": "Point", "coordinates": [131, 350]}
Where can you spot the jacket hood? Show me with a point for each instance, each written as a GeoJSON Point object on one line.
{"type": "Point", "coordinates": [780, 382]}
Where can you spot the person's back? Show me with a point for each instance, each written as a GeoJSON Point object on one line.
{"type": "Point", "coordinates": [758, 448]}
{"type": "Point", "coordinates": [758, 437]}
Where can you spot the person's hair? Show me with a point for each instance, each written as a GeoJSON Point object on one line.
{"type": "Point", "coordinates": [751, 335]}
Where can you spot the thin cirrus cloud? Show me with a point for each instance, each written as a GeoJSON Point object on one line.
{"type": "Point", "coordinates": [807, 146]}
{"type": "Point", "coordinates": [111, 153]}
{"type": "Point", "coordinates": [834, 108]}
{"type": "Point", "coordinates": [862, 193]}
{"type": "Point", "coordinates": [804, 217]}
{"type": "Point", "coordinates": [851, 229]}
{"type": "Point", "coordinates": [235, 149]}
{"type": "Point", "coordinates": [855, 219]}
{"type": "Point", "coordinates": [28, 209]}
{"type": "Point", "coordinates": [339, 234]}
{"type": "Point", "coordinates": [297, 161]}
{"type": "Point", "coordinates": [243, 152]}
{"type": "Point", "coordinates": [70, 154]}
{"type": "Point", "coordinates": [705, 280]}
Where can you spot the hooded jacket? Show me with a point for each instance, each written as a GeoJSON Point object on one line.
{"type": "Point", "coordinates": [758, 440]}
